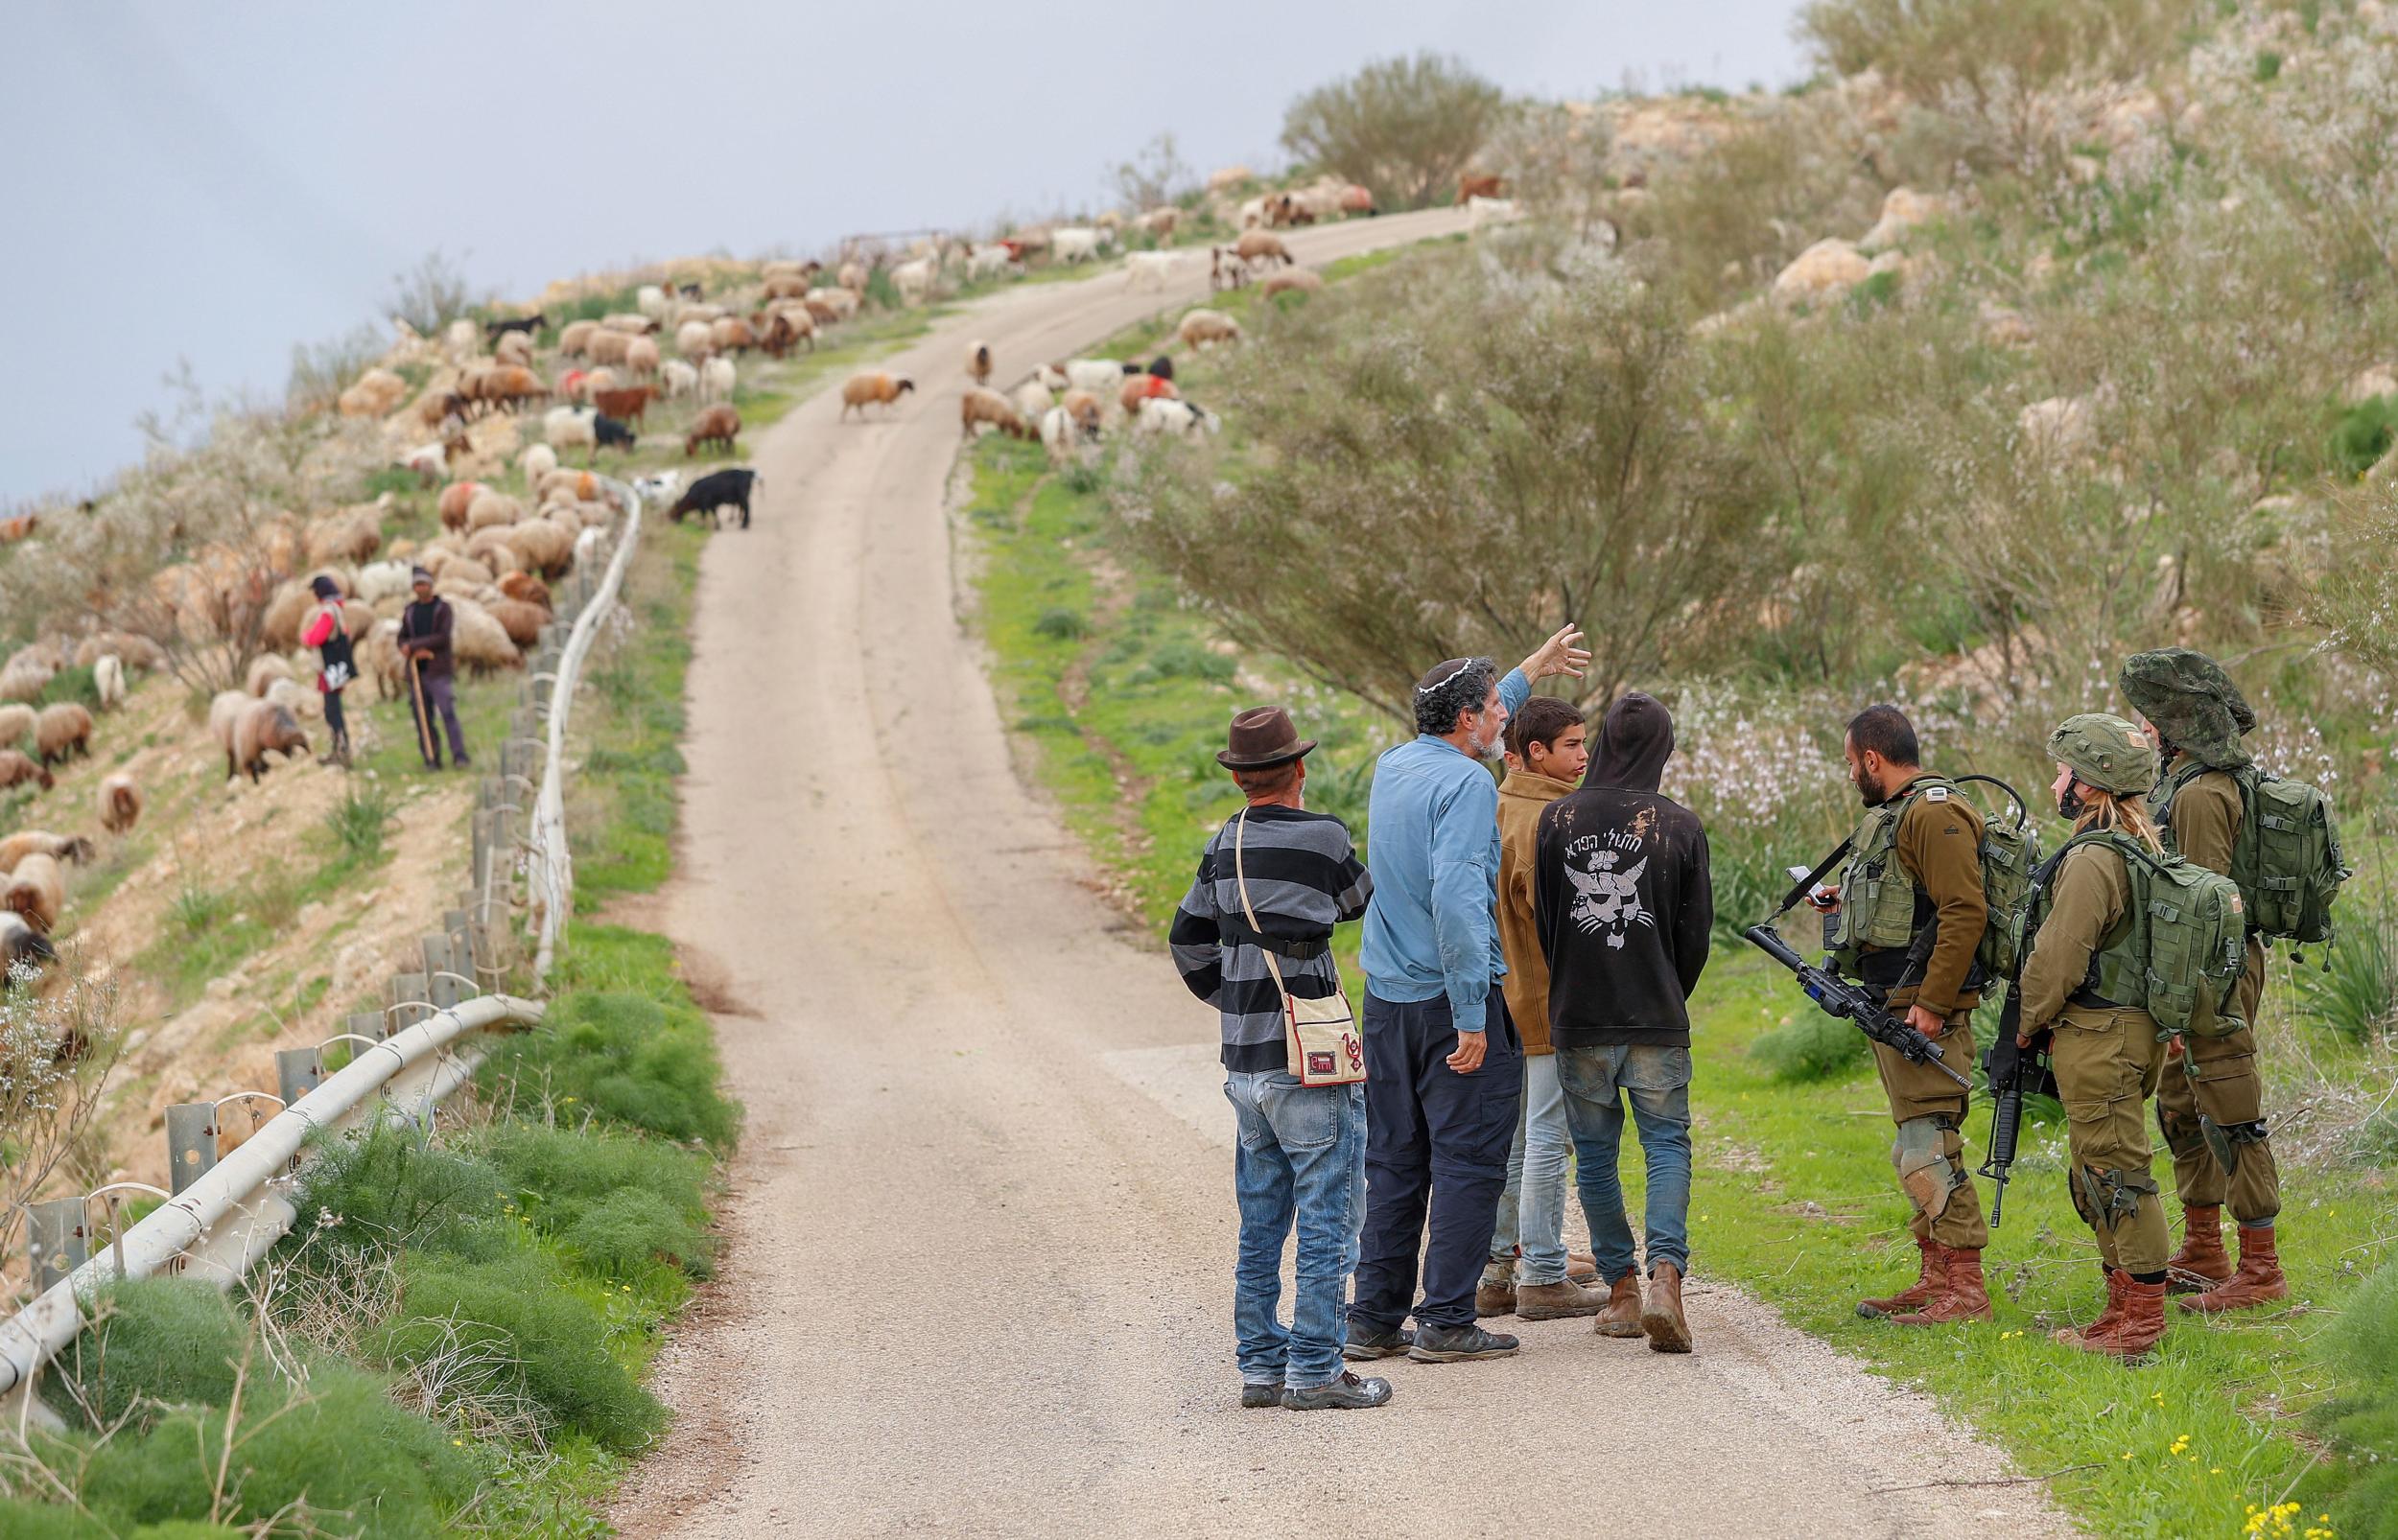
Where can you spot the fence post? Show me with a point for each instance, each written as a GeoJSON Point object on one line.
{"type": "Point", "coordinates": [372, 1025]}
{"type": "Point", "coordinates": [191, 1143]}
{"type": "Point", "coordinates": [57, 1241]}
{"type": "Point", "coordinates": [298, 1071]}
{"type": "Point", "coordinates": [408, 1000]}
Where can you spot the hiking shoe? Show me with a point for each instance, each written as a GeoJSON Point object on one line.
{"type": "Point", "coordinates": [1495, 1294]}
{"type": "Point", "coordinates": [1553, 1301]}
{"type": "Point", "coordinates": [1261, 1395]}
{"type": "Point", "coordinates": [1452, 1344]}
{"type": "Point", "coordinates": [1667, 1327]}
{"type": "Point", "coordinates": [1362, 1345]}
{"type": "Point", "coordinates": [1348, 1393]}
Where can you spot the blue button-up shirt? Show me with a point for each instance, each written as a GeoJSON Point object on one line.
{"type": "Point", "coordinates": [1433, 848]}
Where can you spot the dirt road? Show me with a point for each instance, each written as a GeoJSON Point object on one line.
{"type": "Point", "coordinates": [981, 1271]}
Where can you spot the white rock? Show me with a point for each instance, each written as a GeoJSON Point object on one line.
{"type": "Point", "coordinates": [1902, 211]}
{"type": "Point", "coordinates": [1825, 270]}
{"type": "Point", "coordinates": [2378, 381]}
{"type": "Point", "coordinates": [2060, 426]}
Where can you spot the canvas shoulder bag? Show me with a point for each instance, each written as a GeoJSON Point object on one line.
{"type": "Point", "coordinates": [1321, 1034]}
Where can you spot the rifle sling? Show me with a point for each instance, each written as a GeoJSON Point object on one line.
{"type": "Point", "coordinates": [1800, 889]}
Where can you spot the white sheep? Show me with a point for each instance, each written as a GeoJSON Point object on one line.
{"type": "Point", "coordinates": [913, 280]}
{"type": "Point", "coordinates": [680, 378]}
{"type": "Point", "coordinates": [107, 679]}
{"type": "Point", "coordinates": [650, 300]}
{"type": "Point", "coordinates": [1101, 377]}
{"type": "Point", "coordinates": [1060, 435]}
{"type": "Point", "coordinates": [1032, 398]}
{"type": "Point", "coordinates": [537, 461]}
{"type": "Point", "coordinates": [565, 427]}
{"type": "Point", "coordinates": [694, 340]}
{"type": "Point", "coordinates": [1151, 269]}
{"type": "Point", "coordinates": [1074, 243]}
{"type": "Point", "coordinates": [378, 581]}
{"type": "Point", "coordinates": [988, 261]}
{"type": "Point", "coordinates": [1179, 418]}
{"type": "Point", "coordinates": [716, 378]}
{"type": "Point", "coordinates": [1205, 328]}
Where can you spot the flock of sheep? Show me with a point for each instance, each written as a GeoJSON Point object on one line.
{"type": "Point", "coordinates": [32, 880]}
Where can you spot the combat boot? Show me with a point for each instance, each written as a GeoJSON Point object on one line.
{"type": "Point", "coordinates": [1963, 1298]}
{"type": "Point", "coordinates": [2258, 1279]}
{"type": "Point", "coordinates": [1621, 1315]}
{"type": "Point", "coordinates": [1555, 1301]}
{"type": "Point", "coordinates": [2095, 1335]}
{"type": "Point", "coordinates": [1495, 1295]}
{"type": "Point", "coordinates": [2143, 1323]}
{"type": "Point", "coordinates": [2201, 1263]}
{"type": "Point", "coordinates": [1668, 1328]}
{"type": "Point", "coordinates": [1915, 1295]}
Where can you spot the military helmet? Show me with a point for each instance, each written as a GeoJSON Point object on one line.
{"type": "Point", "coordinates": [2105, 752]}
{"type": "Point", "coordinates": [2195, 705]}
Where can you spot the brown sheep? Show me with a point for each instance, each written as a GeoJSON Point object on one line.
{"type": "Point", "coordinates": [1083, 406]}
{"type": "Point", "coordinates": [525, 589]}
{"type": "Point", "coordinates": [731, 334]}
{"type": "Point", "coordinates": [505, 386]}
{"type": "Point", "coordinates": [455, 499]}
{"type": "Point", "coordinates": [575, 340]}
{"type": "Point", "coordinates": [1472, 185]}
{"type": "Point", "coordinates": [33, 841]}
{"type": "Point", "coordinates": [1255, 246]}
{"type": "Point", "coordinates": [870, 387]}
{"type": "Point", "coordinates": [137, 651]}
{"type": "Point", "coordinates": [490, 509]}
{"type": "Point", "coordinates": [981, 405]}
{"type": "Point", "coordinates": [609, 347]}
{"type": "Point", "coordinates": [1140, 387]}
{"type": "Point", "coordinates": [61, 732]}
{"type": "Point", "coordinates": [478, 640]}
{"type": "Point", "coordinates": [522, 621]}
{"type": "Point", "coordinates": [261, 727]}
{"type": "Point", "coordinates": [261, 673]}
{"type": "Point", "coordinates": [641, 359]}
{"type": "Point", "coordinates": [978, 362]}
{"type": "Point", "coordinates": [381, 654]}
{"type": "Point", "coordinates": [1292, 280]}
{"type": "Point", "coordinates": [38, 892]}
{"type": "Point", "coordinates": [352, 535]}
{"type": "Point", "coordinates": [120, 803]}
{"type": "Point", "coordinates": [514, 347]}
{"type": "Point", "coordinates": [626, 406]}
{"type": "Point", "coordinates": [786, 330]}
{"type": "Point", "coordinates": [17, 769]}
{"type": "Point", "coordinates": [717, 425]}
{"type": "Point", "coordinates": [822, 312]}
{"type": "Point", "coordinates": [16, 725]}
{"type": "Point", "coordinates": [1202, 328]}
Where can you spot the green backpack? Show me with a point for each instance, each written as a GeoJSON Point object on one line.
{"type": "Point", "coordinates": [2182, 955]}
{"type": "Point", "coordinates": [1877, 898]}
{"type": "Point", "coordinates": [2287, 857]}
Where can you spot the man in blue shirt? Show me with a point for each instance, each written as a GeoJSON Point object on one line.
{"type": "Point", "coordinates": [1444, 1065]}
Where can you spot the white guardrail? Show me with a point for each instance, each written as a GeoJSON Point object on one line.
{"type": "Point", "coordinates": [223, 1215]}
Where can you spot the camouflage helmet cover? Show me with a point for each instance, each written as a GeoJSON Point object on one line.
{"type": "Point", "coordinates": [2105, 752]}
{"type": "Point", "coordinates": [2195, 705]}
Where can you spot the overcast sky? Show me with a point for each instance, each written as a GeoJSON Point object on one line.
{"type": "Point", "coordinates": [217, 182]}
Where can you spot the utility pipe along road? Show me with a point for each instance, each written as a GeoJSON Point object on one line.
{"type": "Point", "coordinates": [979, 1275]}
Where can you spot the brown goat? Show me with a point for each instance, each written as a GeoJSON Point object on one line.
{"type": "Point", "coordinates": [717, 425]}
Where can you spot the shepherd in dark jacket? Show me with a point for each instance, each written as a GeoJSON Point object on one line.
{"type": "Point", "coordinates": [1625, 905]}
{"type": "Point", "coordinates": [425, 646]}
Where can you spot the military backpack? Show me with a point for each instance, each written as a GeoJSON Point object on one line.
{"type": "Point", "coordinates": [2286, 857]}
{"type": "Point", "coordinates": [1877, 900]}
{"type": "Point", "coordinates": [2180, 948]}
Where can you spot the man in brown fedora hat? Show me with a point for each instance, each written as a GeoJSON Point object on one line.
{"type": "Point", "coordinates": [1274, 880]}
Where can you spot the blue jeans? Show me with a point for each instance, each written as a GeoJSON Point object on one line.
{"type": "Point", "coordinates": [1657, 1081]}
{"type": "Point", "coordinates": [1301, 1160]}
{"type": "Point", "coordinates": [1531, 1211]}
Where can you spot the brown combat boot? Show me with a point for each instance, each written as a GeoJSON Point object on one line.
{"type": "Point", "coordinates": [1621, 1318]}
{"type": "Point", "coordinates": [1926, 1288]}
{"type": "Point", "coordinates": [1555, 1301]}
{"type": "Point", "coordinates": [2258, 1279]}
{"type": "Point", "coordinates": [1669, 1330]}
{"type": "Point", "coordinates": [2143, 1323]}
{"type": "Point", "coordinates": [1583, 1267]}
{"type": "Point", "coordinates": [2095, 1335]}
{"type": "Point", "coordinates": [1963, 1298]}
{"type": "Point", "coordinates": [2201, 1263]}
{"type": "Point", "coordinates": [1495, 1295]}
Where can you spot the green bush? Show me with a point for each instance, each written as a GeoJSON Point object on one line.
{"type": "Point", "coordinates": [1062, 625]}
{"type": "Point", "coordinates": [358, 821]}
{"type": "Point", "coordinates": [2364, 432]}
{"type": "Point", "coordinates": [623, 1058]}
{"type": "Point", "coordinates": [172, 1341]}
{"type": "Point", "coordinates": [1812, 1046]}
{"type": "Point", "coordinates": [52, 1521]}
{"type": "Point", "coordinates": [615, 1200]}
{"type": "Point", "coordinates": [390, 1188]}
{"type": "Point", "coordinates": [541, 1341]}
{"type": "Point", "coordinates": [2363, 1347]}
{"type": "Point", "coordinates": [73, 682]}
{"type": "Point", "coordinates": [2355, 993]}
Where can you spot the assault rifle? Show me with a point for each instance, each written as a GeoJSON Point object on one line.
{"type": "Point", "coordinates": [2014, 1072]}
{"type": "Point", "coordinates": [1857, 1003]}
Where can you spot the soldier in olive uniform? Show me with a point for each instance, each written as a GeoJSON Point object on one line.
{"type": "Point", "coordinates": [2211, 1103]}
{"type": "Point", "coordinates": [2082, 983]}
{"type": "Point", "coordinates": [1911, 913]}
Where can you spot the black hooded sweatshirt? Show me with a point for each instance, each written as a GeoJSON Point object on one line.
{"type": "Point", "coordinates": [1621, 889]}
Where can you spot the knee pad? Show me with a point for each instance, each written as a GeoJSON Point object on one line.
{"type": "Point", "coordinates": [2224, 1139]}
{"type": "Point", "coordinates": [1927, 1172]}
{"type": "Point", "coordinates": [2107, 1198]}
{"type": "Point", "coordinates": [2178, 1130]}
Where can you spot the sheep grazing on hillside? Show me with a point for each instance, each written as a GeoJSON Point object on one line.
{"type": "Point", "coordinates": [871, 388]}
{"type": "Point", "coordinates": [479, 640]}
{"type": "Point", "coordinates": [522, 621]}
{"type": "Point", "coordinates": [492, 507]}
{"type": "Point", "coordinates": [107, 681]}
{"type": "Point", "coordinates": [981, 405]}
{"type": "Point", "coordinates": [1258, 248]}
{"type": "Point", "coordinates": [378, 581]}
{"type": "Point", "coordinates": [1085, 407]}
{"type": "Point", "coordinates": [62, 731]}
{"type": "Point", "coordinates": [17, 769]}
{"type": "Point", "coordinates": [352, 535]}
{"type": "Point", "coordinates": [626, 406]}
{"type": "Point", "coordinates": [1482, 211]}
{"type": "Point", "coordinates": [1031, 399]}
{"type": "Point", "coordinates": [1179, 418]}
{"type": "Point", "coordinates": [1472, 185]}
{"type": "Point", "coordinates": [515, 348]}
{"type": "Point", "coordinates": [460, 496]}
{"type": "Point", "coordinates": [17, 724]}
{"type": "Point", "coordinates": [120, 803]}
{"type": "Point", "coordinates": [913, 280]}
{"type": "Point", "coordinates": [680, 378]}
{"type": "Point", "coordinates": [430, 460]}
{"type": "Point", "coordinates": [138, 652]}
{"type": "Point", "coordinates": [694, 340]}
{"type": "Point", "coordinates": [732, 334]}
{"type": "Point", "coordinates": [1074, 243]}
{"type": "Point", "coordinates": [978, 362]}
{"type": "Point", "coordinates": [577, 338]}
{"type": "Point", "coordinates": [1151, 269]}
{"type": "Point", "coordinates": [989, 261]}
{"type": "Point", "coordinates": [853, 276]}
{"type": "Point", "coordinates": [525, 589]}
{"type": "Point", "coordinates": [36, 892]}
{"type": "Point", "coordinates": [1225, 270]}
{"type": "Point", "coordinates": [717, 425]}
{"type": "Point", "coordinates": [496, 330]}
{"type": "Point", "coordinates": [1205, 328]}
{"type": "Point", "coordinates": [566, 427]}
{"type": "Point", "coordinates": [716, 380]}
{"type": "Point", "coordinates": [1063, 436]}
{"type": "Point", "coordinates": [251, 730]}
{"type": "Point", "coordinates": [1161, 220]}
{"type": "Point", "coordinates": [1098, 376]}
{"type": "Point", "coordinates": [537, 461]}
{"type": "Point", "coordinates": [378, 393]}
{"type": "Point", "coordinates": [503, 387]}
{"type": "Point", "coordinates": [23, 678]}
{"type": "Point", "coordinates": [843, 302]}
{"type": "Point", "coordinates": [787, 329]}
{"type": "Point", "coordinates": [380, 656]}
{"type": "Point", "coordinates": [717, 489]}
{"type": "Point", "coordinates": [608, 346]}
{"type": "Point", "coordinates": [650, 300]}
{"type": "Point", "coordinates": [23, 949]}
{"type": "Point", "coordinates": [1292, 280]}
{"type": "Point", "coordinates": [264, 670]}
{"type": "Point", "coordinates": [64, 848]}
{"type": "Point", "coordinates": [641, 358]}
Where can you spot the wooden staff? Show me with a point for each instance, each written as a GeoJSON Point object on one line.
{"type": "Point", "coordinates": [424, 726]}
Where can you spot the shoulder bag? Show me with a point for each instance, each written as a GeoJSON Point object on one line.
{"type": "Point", "coordinates": [1321, 1034]}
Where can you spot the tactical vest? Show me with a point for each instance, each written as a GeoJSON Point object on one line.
{"type": "Point", "coordinates": [1880, 900]}
{"type": "Point", "coordinates": [2176, 952]}
{"type": "Point", "coordinates": [2286, 857]}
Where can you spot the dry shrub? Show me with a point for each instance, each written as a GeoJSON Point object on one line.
{"type": "Point", "coordinates": [1401, 128]}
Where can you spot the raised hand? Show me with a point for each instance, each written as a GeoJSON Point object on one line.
{"type": "Point", "coordinates": [1561, 654]}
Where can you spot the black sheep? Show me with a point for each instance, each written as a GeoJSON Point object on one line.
{"type": "Point", "coordinates": [612, 434]}
{"type": "Point", "coordinates": [527, 324]}
{"type": "Point", "coordinates": [717, 489]}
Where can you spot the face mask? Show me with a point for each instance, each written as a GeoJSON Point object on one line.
{"type": "Point", "coordinates": [2071, 804]}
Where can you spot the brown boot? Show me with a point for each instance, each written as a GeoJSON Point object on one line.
{"type": "Point", "coordinates": [1582, 1266]}
{"type": "Point", "coordinates": [2257, 1281]}
{"type": "Point", "coordinates": [2096, 1335]}
{"type": "Point", "coordinates": [1622, 1315]}
{"type": "Point", "coordinates": [1962, 1297]}
{"type": "Point", "coordinates": [1555, 1301]}
{"type": "Point", "coordinates": [2143, 1324]}
{"type": "Point", "coordinates": [1915, 1295]}
{"type": "Point", "coordinates": [1495, 1295]}
{"type": "Point", "coordinates": [2201, 1264]}
{"type": "Point", "coordinates": [1669, 1332]}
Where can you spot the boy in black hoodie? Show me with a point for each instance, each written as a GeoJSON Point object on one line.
{"type": "Point", "coordinates": [1625, 906]}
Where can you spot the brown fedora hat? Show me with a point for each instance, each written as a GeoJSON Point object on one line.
{"type": "Point", "coordinates": [1262, 738]}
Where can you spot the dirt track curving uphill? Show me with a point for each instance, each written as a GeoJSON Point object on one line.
{"type": "Point", "coordinates": [982, 1228]}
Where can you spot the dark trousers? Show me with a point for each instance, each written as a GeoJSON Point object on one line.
{"type": "Point", "coordinates": [333, 715]}
{"type": "Point", "coordinates": [1436, 1143]}
{"type": "Point", "coordinates": [438, 699]}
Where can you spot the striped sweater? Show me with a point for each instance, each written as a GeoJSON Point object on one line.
{"type": "Point", "coordinates": [1305, 878]}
